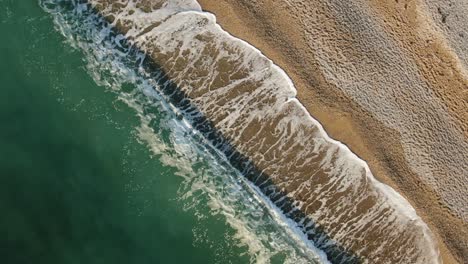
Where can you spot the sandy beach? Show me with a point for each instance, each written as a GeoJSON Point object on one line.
{"type": "Point", "coordinates": [387, 78]}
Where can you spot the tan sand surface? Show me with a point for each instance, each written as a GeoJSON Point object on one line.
{"type": "Point", "coordinates": [387, 78]}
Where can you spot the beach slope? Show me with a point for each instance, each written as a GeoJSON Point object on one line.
{"type": "Point", "coordinates": [387, 78]}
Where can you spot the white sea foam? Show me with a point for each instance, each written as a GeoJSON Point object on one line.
{"type": "Point", "coordinates": [340, 195]}
{"type": "Point", "coordinates": [259, 225]}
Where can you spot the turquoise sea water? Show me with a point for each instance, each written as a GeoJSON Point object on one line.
{"type": "Point", "coordinates": [92, 172]}
{"type": "Point", "coordinates": [98, 166]}
{"type": "Point", "coordinates": [75, 184]}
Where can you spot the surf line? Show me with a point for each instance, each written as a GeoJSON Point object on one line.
{"type": "Point", "coordinates": [195, 109]}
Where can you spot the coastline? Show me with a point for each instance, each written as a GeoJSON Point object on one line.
{"type": "Point", "coordinates": [342, 118]}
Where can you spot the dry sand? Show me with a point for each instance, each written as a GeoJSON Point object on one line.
{"type": "Point", "coordinates": [387, 78]}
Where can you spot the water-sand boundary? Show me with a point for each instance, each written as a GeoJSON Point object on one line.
{"type": "Point", "coordinates": [283, 41]}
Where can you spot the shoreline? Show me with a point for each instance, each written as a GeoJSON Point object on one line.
{"type": "Point", "coordinates": [343, 119]}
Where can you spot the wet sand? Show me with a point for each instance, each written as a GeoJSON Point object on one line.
{"type": "Point", "coordinates": [388, 79]}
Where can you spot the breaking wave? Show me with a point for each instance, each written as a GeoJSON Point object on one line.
{"type": "Point", "coordinates": [227, 118]}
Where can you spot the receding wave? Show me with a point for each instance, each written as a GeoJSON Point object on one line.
{"type": "Point", "coordinates": [220, 97]}
{"type": "Point", "coordinates": [208, 177]}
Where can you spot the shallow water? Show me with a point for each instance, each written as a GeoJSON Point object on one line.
{"type": "Point", "coordinates": [158, 137]}
{"type": "Point", "coordinates": [229, 94]}
{"type": "Point", "coordinates": [92, 171]}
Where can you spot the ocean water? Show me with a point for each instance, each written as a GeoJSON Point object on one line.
{"type": "Point", "coordinates": [155, 136]}
{"type": "Point", "coordinates": [94, 172]}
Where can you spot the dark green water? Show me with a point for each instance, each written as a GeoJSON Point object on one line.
{"type": "Point", "coordinates": [75, 184]}
{"type": "Point", "coordinates": [110, 174]}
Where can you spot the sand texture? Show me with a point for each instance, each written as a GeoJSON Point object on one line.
{"type": "Point", "coordinates": [387, 78]}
